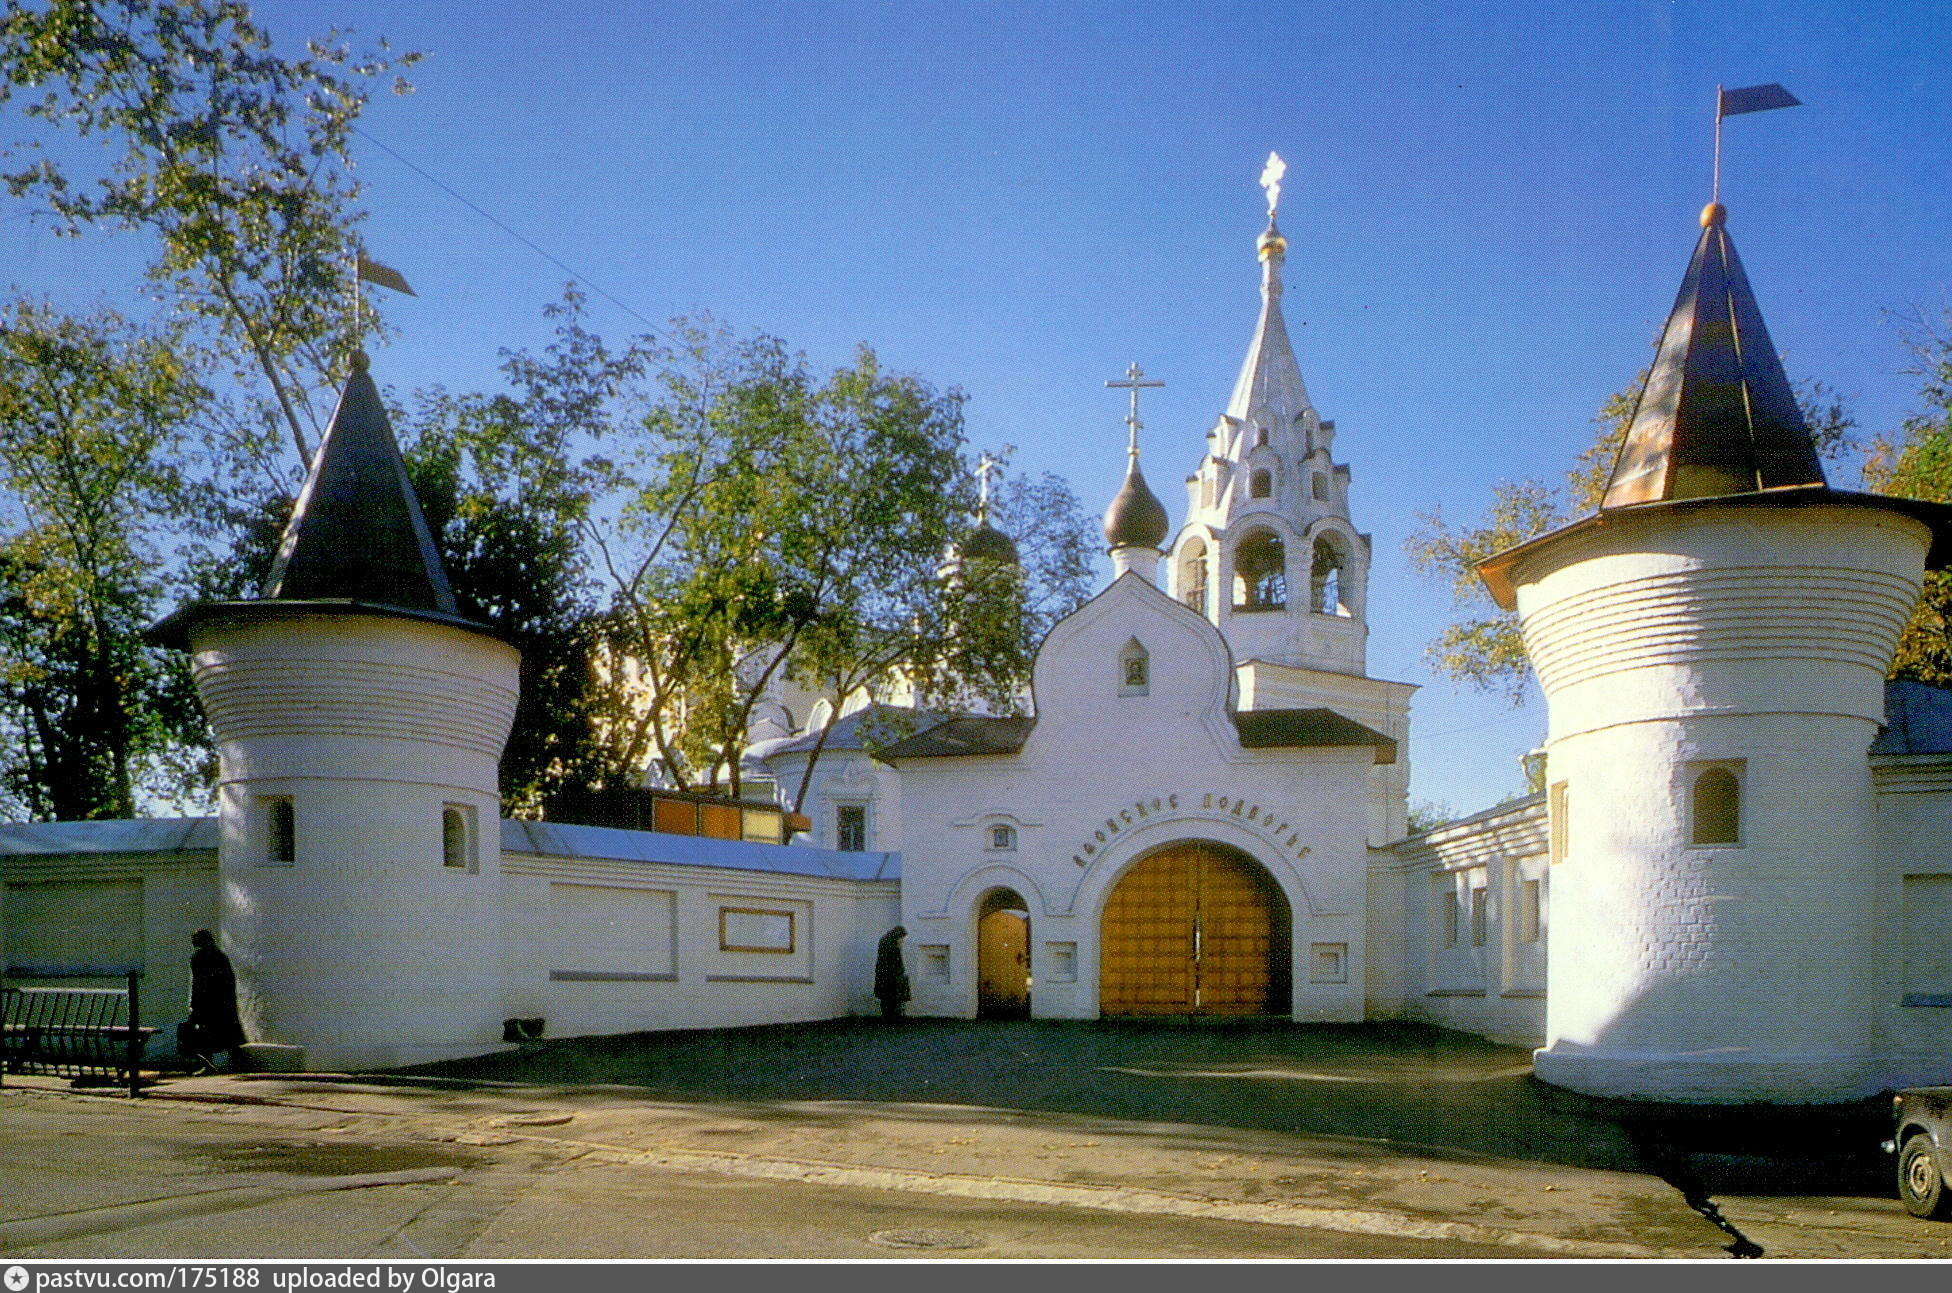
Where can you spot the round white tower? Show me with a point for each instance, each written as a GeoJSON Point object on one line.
{"type": "Point", "coordinates": [359, 721]}
{"type": "Point", "coordinates": [1712, 646]}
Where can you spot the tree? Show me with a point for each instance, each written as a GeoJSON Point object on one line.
{"type": "Point", "coordinates": [749, 521]}
{"type": "Point", "coordinates": [1483, 648]}
{"type": "Point", "coordinates": [510, 549]}
{"type": "Point", "coordinates": [1916, 462]}
{"type": "Point", "coordinates": [233, 158]}
{"type": "Point", "coordinates": [91, 412]}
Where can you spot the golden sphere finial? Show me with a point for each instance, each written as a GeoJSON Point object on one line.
{"type": "Point", "coordinates": [1713, 214]}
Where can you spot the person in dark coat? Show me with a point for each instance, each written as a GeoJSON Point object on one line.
{"type": "Point", "coordinates": [890, 975]}
{"type": "Point", "coordinates": [213, 1026]}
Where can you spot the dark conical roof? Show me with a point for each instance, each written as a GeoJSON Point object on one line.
{"type": "Point", "coordinates": [1136, 517]}
{"type": "Point", "coordinates": [357, 532]}
{"type": "Point", "coordinates": [1717, 416]}
{"type": "Point", "coordinates": [987, 543]}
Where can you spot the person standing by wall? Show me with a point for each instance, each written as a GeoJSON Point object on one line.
{"type": "Point", "coordinates": [213, 1026]}
{"type": "Point", "coordinates": [890, 975]}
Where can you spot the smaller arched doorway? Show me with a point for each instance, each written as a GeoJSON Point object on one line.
{"type": "Point", "coordinates": [1003, 956]}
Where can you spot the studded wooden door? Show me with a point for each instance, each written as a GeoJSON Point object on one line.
{"type": "Point", "coordinates": [1192, 930]}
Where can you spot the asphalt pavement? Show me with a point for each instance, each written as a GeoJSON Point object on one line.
{"type": "Point", "coordinates": [940, 1140]}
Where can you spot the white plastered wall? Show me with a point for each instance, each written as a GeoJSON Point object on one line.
{"type": "Point", "coordinates": [1753, 638]}
{"type": "Point", "coordinates": [1108, 775]}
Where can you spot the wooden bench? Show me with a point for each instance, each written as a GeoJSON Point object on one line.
{"type": "Point", "coordinates": [91, 1036]}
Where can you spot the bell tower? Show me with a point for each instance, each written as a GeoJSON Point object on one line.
{"type": "Point", "coordinates": [1268, 552]}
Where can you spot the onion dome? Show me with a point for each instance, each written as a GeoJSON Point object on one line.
{"type": "Point", "coordinates": [1271, 244]}
{"type": "Point", "coordinates": [987, 543]}
{"type": "Point", "coordinates": [1136, 517]}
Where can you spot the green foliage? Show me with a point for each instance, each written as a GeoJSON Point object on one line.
{"type": "Point", "coordinates": [91, 412]}
{"type": "Point", "coordinates": [1483, 647]}
{"type": "Point", "coordinates": [1429, 814]}
{"type": "Point", "coordinates": [1916, 462]}
{"type": "Point", "coordinates": [510, 549]}
{"type": "Point", "coordinates": [751, 523]}
{"type": "Point", "coordinates": [231, 157]}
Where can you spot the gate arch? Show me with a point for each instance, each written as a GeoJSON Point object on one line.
{"type": "Point", "coordinates": [1195, 928]}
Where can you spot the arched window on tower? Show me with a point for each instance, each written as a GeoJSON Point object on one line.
{"type": "Point", "coordinates": [1260, 484]}
{"type": "Point", "coordinates": [1325, 579]}
{"type": "Point", "coordinates": [1192, 575]}
{"type": "Point", "coordinates": [1260, 435]}
{"type": "Point", "coordinates": [1260, 573]}
{"type": "Point", "coordinates": [1134, 670]}
{"type": "Point", "coordinates": [1717, 808]}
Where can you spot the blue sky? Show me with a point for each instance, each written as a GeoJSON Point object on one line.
{"type": "Point", "coordinates": [1488, 208]}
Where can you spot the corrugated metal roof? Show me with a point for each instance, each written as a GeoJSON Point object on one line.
{"type": "Point", "coordinates": [554, 839]}
{"type": "Point", "coordinates": [1266, 729]}
{"type": "Point", "coordinates": [1917, 720]}
{"type": "Point", "coordinates": [81, 839]}
{"type": "Point", "coordinates": [970, 734]}
{"type": "Point", "coordinates": [547, 839]}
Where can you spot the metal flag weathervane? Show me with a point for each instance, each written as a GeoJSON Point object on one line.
{"type": "Point", "coordinates": [1750, 98]}
{"type": "Point", "coordinates": [371, 271]}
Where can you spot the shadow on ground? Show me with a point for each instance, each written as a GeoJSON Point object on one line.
{"type": "Point", "coordinates": [1401, 1087]}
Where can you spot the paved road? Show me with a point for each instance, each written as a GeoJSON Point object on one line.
{"type": "Point", "coordinates": [927, 1140]}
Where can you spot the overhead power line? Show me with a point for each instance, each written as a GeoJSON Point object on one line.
{"type": "Point", "coordinates": [475, 207]}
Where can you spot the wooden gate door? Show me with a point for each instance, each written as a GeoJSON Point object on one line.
{"type": "Point", "coordinates": [1191, 931]}
{"type": "Point", "coordinates": [1003, 966]}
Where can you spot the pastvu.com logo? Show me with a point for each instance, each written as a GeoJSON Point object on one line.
{"type": "Point", "coordinates": [16, 1278]}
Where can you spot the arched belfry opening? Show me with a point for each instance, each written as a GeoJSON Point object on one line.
{"type": "Point", "coordinates": [1195, 928]}
{"type": "Point", "coordinates": [1260, 573]}
{"type": "Point", "coordinates": [1003, 956]}
{"type": "Point", "coordinates": [1328, 591]}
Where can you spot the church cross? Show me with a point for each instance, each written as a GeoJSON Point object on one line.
{"type": "Point", "coordinates": [986, 466]}
{"type": "Point", "coordinates": [1133, 383]}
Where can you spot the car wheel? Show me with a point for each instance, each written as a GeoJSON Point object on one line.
{"type": "Point", "coordinates": [1920, 1184]}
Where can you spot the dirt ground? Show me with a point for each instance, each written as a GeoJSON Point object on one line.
{"type": "Point", "coordinates": [1026, 1139]}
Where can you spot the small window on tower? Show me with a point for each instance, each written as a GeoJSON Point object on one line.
{"type": "Point", "coordinates": [851, 828]}
{"type": "Point", "coordinates": [1003, 837]}
{"type": "Point", "coordinates": [1321, 488]}
{"type": "Point", "coordinates": [457, 837]}
{"type": "Point", "coordinates": [1717, 808]}
{"type": "Point", "coordinates": [1260, 484]}
{"type": "Point", "coordinates": [1134, 670]}
{"type": "Point", "coordinates": [1260, 435]}
{"type": "Point", "coordinates": [280, 832]}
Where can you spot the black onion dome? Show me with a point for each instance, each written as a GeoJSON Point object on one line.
{"type": "Point", "coordinates": [987, 543]}
{"type": "Point", "coordinates": [1136, 518]}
